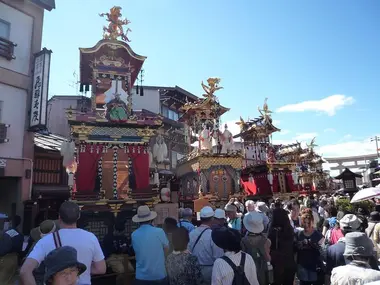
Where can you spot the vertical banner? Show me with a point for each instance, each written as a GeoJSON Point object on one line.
{"type": "Point", "coordinates": [40, 90]}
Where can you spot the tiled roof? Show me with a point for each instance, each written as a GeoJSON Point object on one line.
{"type": "Point", "coordinates": [48, 141]}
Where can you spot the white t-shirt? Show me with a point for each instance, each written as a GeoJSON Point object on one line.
{"type": "Point", "coordinates": [86, 244]}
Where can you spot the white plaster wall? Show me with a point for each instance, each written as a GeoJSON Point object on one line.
{"type": "Point", "coordinates": [13, 113]}
{"type": "Point", "coordinates": [150, 101]}
{"type": "Point", "coordinates": [21, 34]}
{"type": "Point", "coordinates": [57, 119]}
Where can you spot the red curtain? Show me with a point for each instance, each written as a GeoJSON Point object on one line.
{"type": "Point", "coordinates": [249, 187]}
{"type": "Point", "coordinates": [262, 184]}
{"type": "Point", "coordinates": [89, 156]}
{"type": "Point", "coordinates": [259, 185]}
{"type": "Point", "coordinates": [275, 183]}
{"type": "Point", "coordinates": [140, 164]}
{"type": "Point", "coordinates": [290, 181]}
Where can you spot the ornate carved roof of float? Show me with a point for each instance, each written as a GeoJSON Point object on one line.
{"type": "Point", "coordinates": [258, 127]}
{"type": "Point", "coordinates": [210, 101]}
{"type": "Point", "coordinates": [291, 149]}
{"type": "Point", "coordinates": [111, 53]}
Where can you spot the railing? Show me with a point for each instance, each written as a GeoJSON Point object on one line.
{"type": "Point", "coordinates": [7, 49]}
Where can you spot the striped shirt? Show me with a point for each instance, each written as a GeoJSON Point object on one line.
{"type": "Point", "coordinates": [223, 274]}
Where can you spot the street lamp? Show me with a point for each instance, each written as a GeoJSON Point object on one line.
{"type": "Point", "coordinates": [376, 139]}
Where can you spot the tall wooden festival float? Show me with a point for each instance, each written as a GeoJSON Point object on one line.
{"type": "Point", "coordinates": [210, 173]}
{"type": "Point", "coordinates": [308, 175]}
{"type": "Point", "coordinates": [109, 175]}
{"type": "Point", "coordinates": [312, 178]}
{"type": "Point", "coordinates": [265, 173]}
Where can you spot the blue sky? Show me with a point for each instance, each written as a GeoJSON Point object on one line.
{"type": "Point", "coordinates": [289, 51]}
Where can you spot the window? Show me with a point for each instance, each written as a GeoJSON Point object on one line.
{"type": "Point", "coordinates": [168, 113]}
{"type": "Point", "coordinates": [165, 111]}
{"type": "Point", "coordinates": [173, 115]}
{"type": "Point", "coordinates": [5, 29]}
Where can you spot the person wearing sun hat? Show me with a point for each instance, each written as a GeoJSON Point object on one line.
{"type": "Point", "coordinates": [359, 249]}
{"type": "Point", "coordinates": [151, 246]}
{"type": "Point", "coordinates": [45, 228]}
{"type": "Point", "coordinates": [256, 244]}
{"type": "Point", "coordinates": [234, 220]}
{"type": "Point", "coordinates": [201, 244]}
{"type": "Point", "coordinates": [230, 241]}
{"type": "Point", "coordinates": [63, 267]}
{"type": "Point", "coordinates": [219, 219]}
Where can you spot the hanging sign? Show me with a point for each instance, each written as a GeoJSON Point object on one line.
{"type": "Point", "coordinates": [40, 89]}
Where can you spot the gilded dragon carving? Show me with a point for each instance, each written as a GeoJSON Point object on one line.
{"type": "Point", "coordinates": [115, 27]}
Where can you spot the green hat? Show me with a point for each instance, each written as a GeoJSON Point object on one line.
{"type": "Point", "coordinates": [46, 227]}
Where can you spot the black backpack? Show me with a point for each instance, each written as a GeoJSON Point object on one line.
{"type": "Point", "coordinates": [239, 274]}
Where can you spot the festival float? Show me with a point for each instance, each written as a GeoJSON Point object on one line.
{"type": "Point", "coordinates": [308, 175]}
{"type": "Point", "coordinates": [109, 158]}
{"type": "Point", "coordinates": [210, 173]}
{"type": "Point", "coordinates": [263, 174]}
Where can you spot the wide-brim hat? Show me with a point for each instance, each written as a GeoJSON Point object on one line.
{"type": "Point", "coordinates": [374, 217]}
{"type": "Point", "coordinates": [226, 238]}
{"type": "Point", "coordinates": [358, 244]}
{"type": "Point", "coordinates": [45, 228]}
{"type": "Point", "coordinates": [350, 222]}
{"type": "Point", "coordinates": [60, 259]}
{"type": "Point", "coordinates": [254, 223]}
{"type": "Point", "coordinates": [144, 214]}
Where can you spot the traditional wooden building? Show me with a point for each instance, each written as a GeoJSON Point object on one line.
{"type": "Point", "coordinates": [50, 187]}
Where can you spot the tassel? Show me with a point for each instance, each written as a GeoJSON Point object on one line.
{"type": "Point", "coordinates": [141, 91]}
{"type": "Point", "coordinates": [137, 89]}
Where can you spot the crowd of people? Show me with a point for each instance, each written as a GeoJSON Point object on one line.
{"type": "Point", "coordinates": [305, 240]}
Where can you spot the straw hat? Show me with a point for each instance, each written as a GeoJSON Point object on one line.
{"type": "Point", "coordinates": [144, 214]}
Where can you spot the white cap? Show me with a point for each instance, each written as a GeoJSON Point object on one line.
{"type": "Point", "coordinates": [220, 214]}
{"type": "Point", "coordinates": [207, 212]}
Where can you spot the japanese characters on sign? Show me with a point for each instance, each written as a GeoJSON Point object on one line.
{"type": "Point", "coordinates": [40, 88]}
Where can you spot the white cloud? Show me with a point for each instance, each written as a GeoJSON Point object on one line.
{"type": "Point", "coordinates": [232, 126]}
{"type": "Point", "coordinates": [329, 130]}
{"type": "Point", "coordinates": [328, 105]}
{"type": "Point", "coordinates": [349, 148]}
{"type": "Point", "coordinates": [346, 137]}
{"type": "Point", "coordinates": [305, 136]}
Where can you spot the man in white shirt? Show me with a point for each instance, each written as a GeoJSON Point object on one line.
{"type": "Point", "coordinates": [86, 244]}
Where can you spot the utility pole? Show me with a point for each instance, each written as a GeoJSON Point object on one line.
{"type": "Point", "coordinates": [376, 139]}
